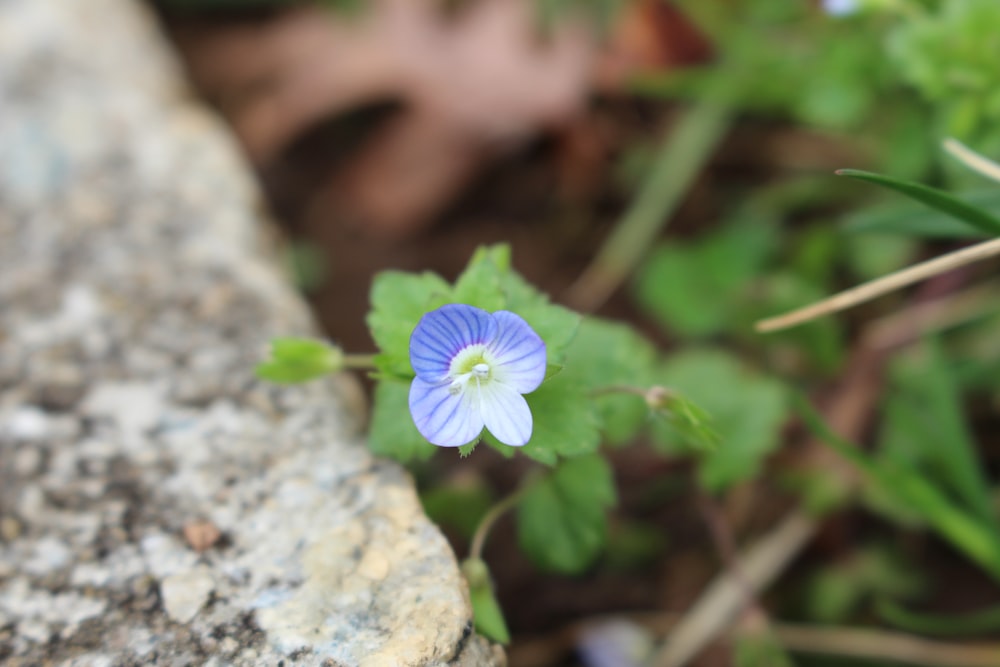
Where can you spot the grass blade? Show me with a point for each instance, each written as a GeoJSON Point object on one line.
{"type": "Point", "coordinates": [932, 197]}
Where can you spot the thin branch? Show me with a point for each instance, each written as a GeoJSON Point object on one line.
{"type": "Point", "coordinates": [880, 286]}
{"type": "Point", "coordinates": [972, 159]}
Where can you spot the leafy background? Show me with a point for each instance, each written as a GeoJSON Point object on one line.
{"type": "Point", "coordinates": [688, 185]}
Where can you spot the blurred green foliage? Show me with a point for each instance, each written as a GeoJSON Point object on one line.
{"type": "Point", "coordinates": [949, 52]}
{"type": "Point", "coordinates": [561, 519]}
{"type": "Point", "coordinates": [294, 360]}
{"type": "Point", "coordinates": [792, 61]}
{"type": "Point", "coordinates": [694, 288]}
{"type": "Point", "coordinates": [748, 411]}
{"type": "Point", "coordinates": [890, 81]}
{"type": "Point", "coordinates": [836, 593]}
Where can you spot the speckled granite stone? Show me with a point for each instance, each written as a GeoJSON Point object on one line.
{"type": "Point", "coordinates": [157, 505]}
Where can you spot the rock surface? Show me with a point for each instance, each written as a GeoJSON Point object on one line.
{"type": "Point", "coordinates": [157, 505]}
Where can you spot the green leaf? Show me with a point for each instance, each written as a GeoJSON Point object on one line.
{"type": "Point", "coordinates": [977, 540]}
{"type": "Point", "coordinates": [934, 198]}
{"type": "Point", "coordinates": [673, 287]}
{"type": "Point", "coordinates": [605, 354]}
{"type": "Point", "coordinates": [563, 421]}
{"type": "Point", "coordinates": [561, 518]}
{"type": "Point", "coordinates": [912, 220]}
{"type": "Point", "coordinates": [747, 411]}
{"type": "Point", "coordinates": [490, 283]}
{"type": "Point", "coordinates": [835, 592]}
{"type": "Point", "coordinates": [554, 324]}
{"type": "Point", "coordinates": [689, 422]}
{"type": "Point", "coordinates": [399, 300]}
{"type": "Point", "coordinates": [392, 432]}
{"type": "Point", "coordinates": [926, 432]}
{"type": "Point", "coordinates": [479, 284]}
{"type": "Point", "coordinates": [821, 493]}
{"type": "Point", "coordinates": [820, 341]}
{"type": "Point", "coordinates": [469, 447]}
{"type": "Point", "coordinates": [487, 615]}
{"type": "Point", "coordinates": [299, 360]}
{"type": "Point", "coordinates": [875, 255]}
{"type": "Point", "coordinates": [692, 288]}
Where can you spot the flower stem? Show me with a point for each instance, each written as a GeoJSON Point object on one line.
{"type": "Point", "coordinates": [491, 517]}
{"type": "Point", "coordinates": [619, 389]}
{"type": "Point", "coordinates": [656, 397]}
{"type": "Point", "coordinates": [359, 361]}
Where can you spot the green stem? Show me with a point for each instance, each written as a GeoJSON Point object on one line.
{"type": "Point", "coordinates": [619, 389]}
{"type": "Point", "coordinates": [491, 517]}
{"type": "Point", "coordinates": [359, 361]}
{"type": "Point", "coordinates": [656, 397]}
{"type": "Point", "coordinates": [980, 622]}
{"type": "Point", "coordinates": [682, 155]}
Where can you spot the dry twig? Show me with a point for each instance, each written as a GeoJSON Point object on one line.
{"type": "Point", "coordinates": [880, 286]}
{"type": "Point", "coordinates": [972, 159]}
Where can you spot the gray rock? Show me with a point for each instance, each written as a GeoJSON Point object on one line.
{"type": "Point", "coordinates": [136, 294]}
{"type": "Point", "coordinates": [186, 593]}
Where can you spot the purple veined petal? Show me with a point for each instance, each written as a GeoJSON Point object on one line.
{"type": "Point", "coordinates": [518, 353]}
{"type": "Point", "coordinates": [505, 413]}
{"type": "Point", "coordinates": [445, 419]}
{"type": "Point", "coordinates": [443, 333]}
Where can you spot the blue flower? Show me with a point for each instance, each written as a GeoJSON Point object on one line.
{"type": "Point", "coordinates": [472, 368]}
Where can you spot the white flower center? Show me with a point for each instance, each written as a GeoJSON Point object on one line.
{"type": "Point", "coordinates": [472, 363]}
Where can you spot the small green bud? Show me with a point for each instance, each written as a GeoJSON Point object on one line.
{"type": "Point", "coordinates": [296, 360]}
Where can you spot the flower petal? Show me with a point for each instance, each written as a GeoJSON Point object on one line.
{"type": "Point", "coordinates": [443, 333]}
{"type": "Point", "coordinates": [505, 413]}
{"type": "Point", "coordinates": [445, 419]}
{"type": "Point", "coordinates": [518, 352]}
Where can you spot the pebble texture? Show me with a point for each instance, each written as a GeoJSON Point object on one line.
{"type": "Point", "coordinates": [157, 505]}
